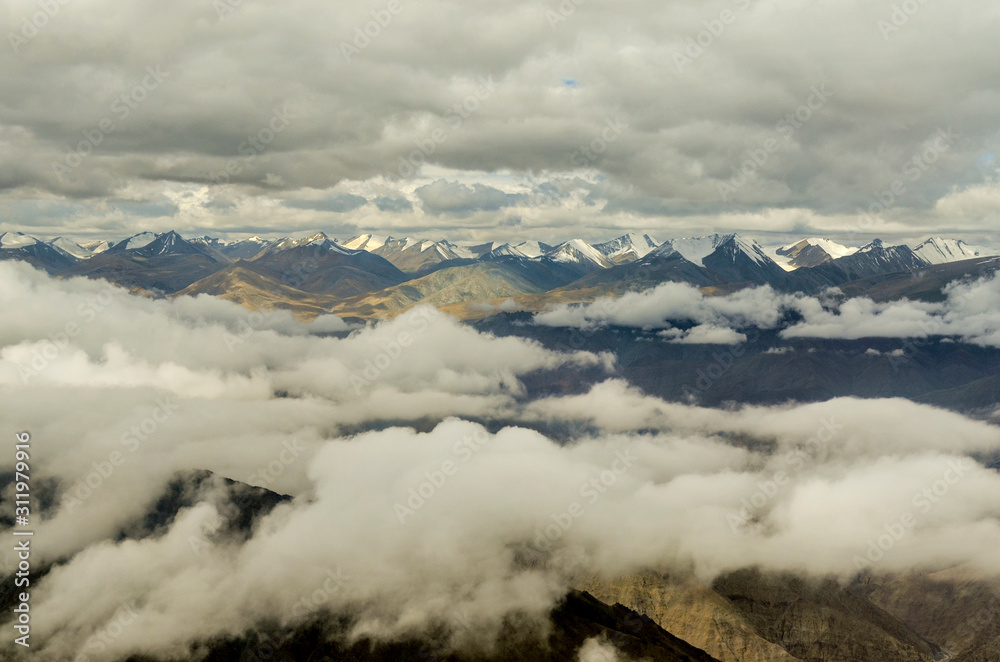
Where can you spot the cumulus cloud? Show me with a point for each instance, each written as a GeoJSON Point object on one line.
{"type": "Point", "coordinates": [970, 312]}
{"type": "Point", "coordinates": [669, 303]}
{"type": "Point", "coordinates": [704, 334]}
{"type": "Point", "coordinates": [145, 378]}
{"type": "Point", "coordinates": [405, 513]}
{"type": "Point", "coordinates": [432, 526]}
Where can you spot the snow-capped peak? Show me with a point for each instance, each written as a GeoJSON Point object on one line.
{"type": "Point", "coordinates": [832, 248]}
{"type": "Point", "coordinates": [168, 241]}
{"type": "Point", "coordinates": [876, 244]}
{"type": "Point", "coordinates": [532, 249]}
{"type": "Point", "coordinates": [16, 240]}
{"type": "Point", "coordinates": [751, 249]}
{"type": "Point", "coordinates": [137, 241]}
{"type": "Point", "coordinates": [96, 247]}
{"type": "Point", "coordinates": [461, 252]}
{"type": "Point", "coordinates": [696, 249]}
{"type": "Point", "coordinates": [366, 242]}
{"type": "Point", "coordinates": [938, 250]}
{"type": "Point", "coordinates": [808, 253]}
{"type": "Point", "coordinates": [318, 238]}
{"type": "Point", "coordinates": [70, 247]}
{"type": "Point", "coordinates": [321, 240]}
{"type": "Point", "coordinates": [628, 245]}
{"type": "Point", "coordinates": [577, 250]}
{"type": "Point", "coordinates": [505, 250]}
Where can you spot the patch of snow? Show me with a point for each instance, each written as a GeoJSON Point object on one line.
{"type": "Point", "coordinates": [938, 250]}
{"type": "Point", "coordinates": [832, 248]}
{"type": "Point", "coordinates": [169, 240]}
{"type": "Point", "coordinates": [460, 251]}
{"type": "Point", "coordinates": [506, 250]}
{"type": "Point", "coordinates": [782, 261]}
{"type": "Point", "coordinates": [530, 249]}
{"type": "Point", "coordinates": [17, 240]}
{"type": "Point", "coordinates": [577, 250]}
{"type": "Point", "coordinates": [875, 245]}
{"type": "Point", "coordinates": [96, 247]}
{"type": "Point", "coordinates": [752, 249]}
{"type": "Point", "coordinates": [696, 249]}
{"type": "Point", "coordinates": [366, 242]}
{"type": "Point", "coordinates": [638, 245]}
{"type": "Point", "coordinates": [140, 240]}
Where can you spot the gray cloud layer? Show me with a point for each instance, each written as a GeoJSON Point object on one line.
{"type": "Point", "coordinates": [823, 105]}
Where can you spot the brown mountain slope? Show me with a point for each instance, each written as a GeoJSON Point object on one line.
{"type": "Point", "coordinates": [163, 275]}
{"type": "Point", "coordinates": [621, 633]}
{"type": "Point", "coordinates": [748, 616]}
{"type": "Point", "coordinates": [925, 284]}
{"type": "Point", "coordinates": [693, 612]}
{"type": "Point", "coordinates": [471, 283]}
{"type": "Point", "coordinates": [651, 271]}
{"type": "Point", "coordinates": [413, 256]}
{"type": "Point", "coordinates": [533, 303]}
{"type": "Point", "coordinates": [319, 265]}
{"type": "Point", "coordinates": [804, 254]}
{"type": "Point", "coordinates": [820, 621]}
{"type": "Point", "coordinates": [953, 608]}
{"type": "Point", "coordinates": [240, 285]}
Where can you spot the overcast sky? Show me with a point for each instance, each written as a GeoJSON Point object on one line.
{"type": "Point", "coordinates": [502, 119]}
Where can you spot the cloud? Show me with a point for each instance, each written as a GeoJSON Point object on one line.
{"type": "Point", "coordinates": [969, 313]}
{"type": "Point", "coordinates": [430, 526]}
{"type": "Point", "coordinates": [93, 348]}
{"type": "Point", "coordinates": [393, 204]}
{"type": "Point", "coordinates": [676, 302]}
{"type": "Point", "coordinates": [336, 204]}
{"type": "Point", "coordinates": [444, 197]}
{"type": "Point", "coordinates": [704, 334]}
{"type": "Point", "coordinates": [595, 650]}
{"type": "Point", "coordinates": [556, 87]}
{"type": "Point", "coordinates": [426, 518]}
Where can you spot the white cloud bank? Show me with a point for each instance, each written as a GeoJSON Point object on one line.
{"type": "Point", "coordinates": [453, 524]}
{"type": "Point", "coordinates": [970, 312]}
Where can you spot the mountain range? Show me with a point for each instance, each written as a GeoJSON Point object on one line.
{"type": "Point", "coordinates": [373, 276]}
{"type": "Point", "coordinates": [747, 615]}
